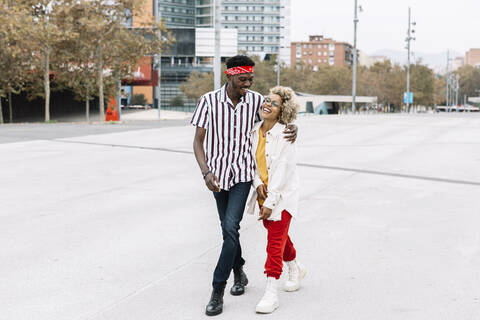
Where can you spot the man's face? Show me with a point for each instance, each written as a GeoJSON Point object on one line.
{"type": "Point", "coordinates": [241, 83]}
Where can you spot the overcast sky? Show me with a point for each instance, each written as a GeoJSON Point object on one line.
{"type": "Point", "coordinates": [441, 25]}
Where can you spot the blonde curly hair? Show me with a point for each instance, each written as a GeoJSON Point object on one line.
{"type": "Point", "coordinates": [290, 107]}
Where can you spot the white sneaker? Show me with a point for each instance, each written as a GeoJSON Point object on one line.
{"type": "Point", "coordinates": [296, 272]}
{"type": "Point", "coordinates": [269, 301]}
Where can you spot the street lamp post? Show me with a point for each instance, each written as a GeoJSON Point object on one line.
{"type": "Point", "coordinates": [447, 82]}
{"type": "Point", "coordinates": [409, 38]}
{"type": "Point", "coordinates": [354, 74]}
{"type": "Point", "coordinates": [278, 64]}
{"type": "Point", "coordinates": [278, 69]}
{"type": "Point", "coordinates": [217, 58]}
{"type": "Point", "coordinates": [456, 89]}
{"type": "Point", "coordinates": [158, 62]}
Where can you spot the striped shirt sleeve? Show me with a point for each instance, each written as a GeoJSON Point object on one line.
{"type": "Point", "coordinates": [200, 115]}
{"type": "Point", "coordinates": [258, 116]}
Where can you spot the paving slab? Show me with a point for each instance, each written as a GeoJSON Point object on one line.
{"type": "Point", "coordinates": [119, 225]}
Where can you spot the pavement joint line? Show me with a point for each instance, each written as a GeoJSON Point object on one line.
{"type": "Point", "coordinates": [391, 174]}
{"type": "Point", "coordinates": [129, 296]}
{"type": "Point", "coordinates": [308, 165]}
{"type": "Point", "coordinates": [124, 146]}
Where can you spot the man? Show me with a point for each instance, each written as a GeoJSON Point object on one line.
{"type": "Point", "coordinates": [225, 117]}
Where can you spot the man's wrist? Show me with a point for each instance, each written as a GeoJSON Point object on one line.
{"type": "Point", "coordinates": [205, 173]}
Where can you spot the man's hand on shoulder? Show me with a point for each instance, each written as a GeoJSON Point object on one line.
{"type": "Point", "coordinates": [291, 132]}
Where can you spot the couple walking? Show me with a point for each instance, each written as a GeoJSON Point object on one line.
{"type": "Point", "coordinates": [243, 139]}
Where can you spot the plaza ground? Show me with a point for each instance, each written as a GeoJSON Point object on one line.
{"type": "Point", "coordinates": [102, 221]}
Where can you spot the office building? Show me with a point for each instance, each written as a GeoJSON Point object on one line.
{"type": "Point", "coordinates": [252, 26]}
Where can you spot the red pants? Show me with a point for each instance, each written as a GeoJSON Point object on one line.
{"type": "Point", "coordinates": [279, 246]}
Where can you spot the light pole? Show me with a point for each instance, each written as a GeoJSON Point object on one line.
{"type": "Point", "coordinates": [279, 64]}
{"type": "Point", "coordinates": [278, 69]}
{"type": "Point", "coordinates": [447, 82]}
{"type": "Point", "coordinates": [409, 38]}
{"type": "Point", "coordinates": [354, 71]}
{"type": "Point", "coordinates": [158, 61]}
{"type": "Point", "coordinates": [456, 90]}
{"type": "Point", "coordinates": [217, 58]}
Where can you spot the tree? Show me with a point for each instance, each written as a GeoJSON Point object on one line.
{"type": "Point", "coordinates": [439, 91]}
{"type": "Point", "coordinates": [197, 84]}
{"type": "Point", "coordinates": [422, 84]}
{"type": "Point", "coordinates": [15, 57]}
{"type": "Point", "coordinates": [117, 48]}
{"type": "Point", "coordinates": [469, 81]}
{"type": "Point", "coordinates": [47, 40]}
{"type": "Point", "coordinates": [383, 80]}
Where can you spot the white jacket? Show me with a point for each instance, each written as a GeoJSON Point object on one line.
{"type": "Point", "coordinates": [282, 174]}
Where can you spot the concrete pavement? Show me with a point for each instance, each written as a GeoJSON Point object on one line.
{"type": "Point", "coordinates": [119, 225]}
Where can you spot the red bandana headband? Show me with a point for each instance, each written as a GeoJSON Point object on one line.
{"type": "Point", "coordinates": [239, 70]}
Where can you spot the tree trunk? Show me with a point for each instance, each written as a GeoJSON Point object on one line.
{"type": "Point", "coordinates": [10, 109]}
{"type": "Point", "coordinates": [100, 82]}
{"type": "Point", "coordinates": [118, 87]}
{"type": "Point", "coordinates": [87, 107]}
{"type": "Point", "coordinates": [46, 83]}
{"type": "Point", "coordinates": [1, 111]}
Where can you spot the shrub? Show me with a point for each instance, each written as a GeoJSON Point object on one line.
{"type": "Point", "coordinates": [138, 99]}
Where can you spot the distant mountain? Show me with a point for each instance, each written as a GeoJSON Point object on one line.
{"type": "Point", "coordinates": [435, 61]}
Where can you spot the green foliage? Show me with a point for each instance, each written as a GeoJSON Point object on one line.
{"type": "Point", "coordinates": [138, 99]}
{"type": "Point", "coordinates": [469, 81]}
{"type": "Point", "coordinates": [383, 80]}
{"type": "Point", "coordinates": [197, 84]}
{"type": "Point", "coordinates": [177, 101]}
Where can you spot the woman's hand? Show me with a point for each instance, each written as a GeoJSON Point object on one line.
{"type": "Point", "coordinates": [265, 213]}
{"type": "Point", "coordinates": [262, 191]}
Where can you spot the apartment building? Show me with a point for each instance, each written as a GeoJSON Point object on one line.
{"type": "Point", "coordinates": [319, 50]}
{"type": "Point", "coordinates": [472, 57]}
{"type": "Point", "coordinates": [263, 26]}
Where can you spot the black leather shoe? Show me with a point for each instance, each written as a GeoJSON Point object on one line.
{"type": "Point", "coordinates": [215, 305]}
{"type": "Point", "coordinates": [239, 282]}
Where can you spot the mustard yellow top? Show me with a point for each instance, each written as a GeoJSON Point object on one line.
{"type": "Point", "coordinates": [261, 161]}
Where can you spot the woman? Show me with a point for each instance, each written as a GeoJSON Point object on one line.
{"type": "Point", "coordinates": [275, 189]}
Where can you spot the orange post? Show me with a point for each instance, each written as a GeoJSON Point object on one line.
{"type": "Point", "coordinates": [112, 110]}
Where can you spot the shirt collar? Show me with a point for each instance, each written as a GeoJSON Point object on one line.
{"type": "Point", "coordinates": [225, 98]}
{"type": "Point", "coordinates": [276, 130]}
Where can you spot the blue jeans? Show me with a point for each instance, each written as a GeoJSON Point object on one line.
{"type": "Point", "coordinates": [230, 206]}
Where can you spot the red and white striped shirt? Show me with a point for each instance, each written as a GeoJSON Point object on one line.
{"type": "Point", "coordinates": [228, 143]}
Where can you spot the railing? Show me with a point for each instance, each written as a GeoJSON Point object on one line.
{"type": "Point", "coordinates": [180, 108]}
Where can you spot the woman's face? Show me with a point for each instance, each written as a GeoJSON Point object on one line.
{"type": "Point", "coordinates": [271, 107]}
